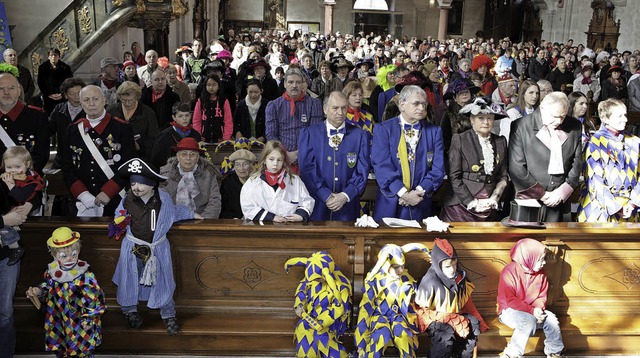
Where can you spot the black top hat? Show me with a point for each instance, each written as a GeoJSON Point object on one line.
{"type": "Point", "coordinates": [137, 166]}
{"type": "Point", "coordinates": [523, 216]}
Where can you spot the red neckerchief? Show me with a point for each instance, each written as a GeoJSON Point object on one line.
{"type": "Point", "coordinates": [182, 128]}
{"type": "Point", "coordinates": [32, 178]}
{"type": "Point", "coordinates": [275, 178]}
{"type": "Point", "coordinates": [504, 100]}
{"type": "Point", "coordinates": [292, 102]}
{"type": "Point", "coordinates": [15, 111]}
{"type": "Point", "coordinates": [108, 83]}
{"type": "Point", "coordinates": [156, 96]}
{"type": "Point", "coordinates": [356, 114]}
{"type": "Point", "coordinates": [586, 80]}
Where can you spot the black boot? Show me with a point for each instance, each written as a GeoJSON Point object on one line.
{"type": "Point", "coordinates": [135, 320]}
{"type": "Point", "coordinates": [172, 326]}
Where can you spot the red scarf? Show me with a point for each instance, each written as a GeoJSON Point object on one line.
{"type": "Point", "coordinates": [292, 102]}
{"type": "Point", "coordinates": [156, 96]}
{"type": "Point", "coordinates": [275, 178]}
{"type": "Point", "coordinates": [356, 114]}
{"type": "Point", "coordinates": [109, 83]}
{"type": "Point", "coordinates": [503, 98]}
{"type": "Point", "coordinates": [586, 80]}
{"type": "Point", "coordinates": [182, 128]}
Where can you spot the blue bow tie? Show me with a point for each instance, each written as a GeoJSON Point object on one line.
{"type": "Point", "coordinates": [408, 127]}
{"type": "Point", "coordinates": [336, 131]}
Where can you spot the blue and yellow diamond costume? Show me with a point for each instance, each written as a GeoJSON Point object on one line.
{"type": "Point", "coordinates": [387, 317]}
{"type": "Point", "coordinates": [611, 177]}
{"type": "Point", "coordinates": [324, 300]}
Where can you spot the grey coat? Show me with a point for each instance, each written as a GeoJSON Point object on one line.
{"type": "Point", "coordinates": [208, 203]}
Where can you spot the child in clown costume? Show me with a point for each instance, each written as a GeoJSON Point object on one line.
{"type": "Point", "coordinates": [445, 309]}
{"type": "Point", "coordinates": [323, 303]}
{"type": "Point", "coordinates": [73, 300]}
{"type": "Point", "coordinates": [386, 316]}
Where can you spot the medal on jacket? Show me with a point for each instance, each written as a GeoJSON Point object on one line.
{"type": "Point", "coordinates": [475, 168]}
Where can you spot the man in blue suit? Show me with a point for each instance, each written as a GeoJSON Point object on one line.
{"type": "Point", "coordinates": [334, 162]}
{"type": "Point", "coordinates": [407, 159]}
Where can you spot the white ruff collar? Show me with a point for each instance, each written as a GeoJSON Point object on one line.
{"type": "Point", "coordinates": [62, 276]}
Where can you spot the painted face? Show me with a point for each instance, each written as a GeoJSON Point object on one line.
{"type": "Point", "coordinates": [449, 267]}
{"type": "Point", "coordinates": [212, 87]}
{"type": "Point", "coordinates": [531, 96]}
{"type": "Point", "coordinates": [188, 159]}
{"type": "Point", "coordinates": [395, 271]}
{"type": "Point", "coordinates": [141, 190]}
{"type": "Point", "coordinates": [274, 161]}
{"type": "Point", "coordinates": [414, 108]}
{"type": "Point", "coordinates": [182, 118]}
{"type": "Point", "coordinates": [242, 168]}
{"type": "Point", "coordinates": [92, 101]}
{"type": "Point", "coordinates": [15, 166]}
{"type": "Point", "coordinates": [355, 98]}
{"type": "Point", "coordinates": [67, 258]}
{"type": "Point", "coordinates": [617, 119]}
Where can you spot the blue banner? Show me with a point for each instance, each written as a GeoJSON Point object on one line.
{"type": "Point", "coordinates": [5, 33]}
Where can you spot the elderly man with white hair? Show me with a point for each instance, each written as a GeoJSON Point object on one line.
{"type": "Point", "coordinates": [145, 72]}
{"type": "Point", "coordinates": [408, 159]}
{"type": "Point", "coordinates": [10, 56]}
{"type": "Point", "coordinates": [545, 156]}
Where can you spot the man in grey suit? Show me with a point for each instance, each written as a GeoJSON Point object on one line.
{"type": "Point", "coordinates": [545, 157]}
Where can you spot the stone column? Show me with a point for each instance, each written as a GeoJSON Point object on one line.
{"type": "Point", "coordinates": [328, 15]}
{"type": "Point", "coordinates": [158, 39]}
{"type": "Point", "coordinates": [442, 24]}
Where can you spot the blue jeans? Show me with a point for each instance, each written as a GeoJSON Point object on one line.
{"type": "Point", "coordinates": [8, 281]}
{"type": "Point", "coordinates": [525, 325]}
{"type": "Point", "coordinates": [166, 311]}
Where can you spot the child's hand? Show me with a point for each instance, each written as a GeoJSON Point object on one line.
{"type": "Point", "coordinates": [86, 325]}
{"type": "Point", "coordinates": [299, 310]}
{"type": "Point", "coordinates": [539, 314]}
{"type": "Point", "coordinates": [8, 178]}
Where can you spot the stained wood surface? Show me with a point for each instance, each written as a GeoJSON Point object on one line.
{"type": "Point", "coordinates": [233, 296]}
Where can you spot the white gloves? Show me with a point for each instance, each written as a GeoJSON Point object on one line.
{"type": "Point", "coordinates": [482, 205]}
{"type": "Point", "coordinates": [366, 221]}
{"type": "Point", "coordinates": [435, 224]}
{"type": "Point", "coordinates": [88, 200]}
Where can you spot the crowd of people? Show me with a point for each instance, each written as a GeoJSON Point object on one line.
{"type": "Point", "coordinates": [499, 120]}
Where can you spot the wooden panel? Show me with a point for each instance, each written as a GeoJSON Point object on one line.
{"type": "Point", "coordinates": [232, 288]}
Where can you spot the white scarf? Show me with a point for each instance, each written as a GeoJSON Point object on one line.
{"type": "Point", "coordinates": [187, 189]}
{"type": "Point", "coordinates": [555, 161]}
{"type": "Point", "coordinates": [487, 153]}
{"type": "Point", "coordinates": [253, 108]}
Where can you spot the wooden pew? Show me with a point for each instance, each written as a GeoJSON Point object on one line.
{"type": "Point", "coordinates": [234, 298]}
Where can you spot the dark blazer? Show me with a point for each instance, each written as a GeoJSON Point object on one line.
{"type": "Point", "coordinates": [466, 173]}
{"type": "Point", "coordinates": [529, 160]}
{"type": "Point", "coordinates": [163, 107]}
{"type": "Point", "coordinates": [242, 119]}
{"type": "Point", "coordinates": [428, 171]}
{"type": "Point", "coordinates": [538, 71]}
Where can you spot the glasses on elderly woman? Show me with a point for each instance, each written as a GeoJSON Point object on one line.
{"type": "Point", "coordinates": [187, 154]}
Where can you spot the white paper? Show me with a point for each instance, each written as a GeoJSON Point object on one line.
{"type": "Point", "coordinates": [393, 222]}
{"type": "Point", "coordinates": [532, 203]}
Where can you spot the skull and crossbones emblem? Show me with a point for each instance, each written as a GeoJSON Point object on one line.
{"type": "Point", "coordinates": [135, 167]}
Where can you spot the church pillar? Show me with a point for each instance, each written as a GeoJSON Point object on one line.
{"type": "Point", "coordinates": [442, 24]}
{"type": "Point", "coordinates": [328, 15]}
{"type": "Point", "coordinates": [158, 40]}
{"type": "Point", "coordinates": [200, 21]}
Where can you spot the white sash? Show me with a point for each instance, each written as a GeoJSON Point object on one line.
{"type": "Point", "coordinates": [6, 140]}
{"type": "Point", "coordinates": [95, 153]}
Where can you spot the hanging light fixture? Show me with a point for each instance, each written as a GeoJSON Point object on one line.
{"type": "Point", "coordinates": [371, 5]}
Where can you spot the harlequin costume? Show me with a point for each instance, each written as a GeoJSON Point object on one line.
{"type": "Point", "coordinates": [445, 309]}
{"type": "Point", "coordinates": [611, 177]}
{"type": "Point", "coordinates": [386, 316]}
{"type": "Point", "coordinates": [72, 299]}
{"type": "Point", "coordinates": [361, 117]}
{"type": "Point", "coordinates": [325, 297]}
